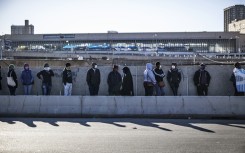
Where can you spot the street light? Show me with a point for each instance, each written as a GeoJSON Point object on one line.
{"type": "Point", "coordinates": [239, 50]}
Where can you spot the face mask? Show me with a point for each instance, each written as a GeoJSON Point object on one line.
{"type": "Point", "coordinates": [173, 67]}
{"type": "Point", "coordinates": [26, 68]}
{"type": "Point", "coordinates": [95, 66]}
{"type": "Point", "coordinates": [68, 68]}
{"type": "Point", "coordinates": [47, 68]}
{"type": "Point", "coordinates": [160, 66]}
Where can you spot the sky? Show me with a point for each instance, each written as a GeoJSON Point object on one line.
{"type": "Point", "coordinates": [100, 16]}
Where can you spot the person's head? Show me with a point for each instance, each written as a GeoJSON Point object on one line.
{"type": "Point", "coordinates": [174, 65]}
{"type": "Point", "coordinates": [46, 67]}
{"type": "Point", "coordinates": [148, 66]}
{"type": "Point", "coordinates": [202, 66]}
{"type": "Point", "coordinates": [68, 66]}
{"type": "Point", "coordinates": [115, 67]}
{"type": "Point", "coordinates": [94, 65]}
{"type": "Point", "coordinates": [158, 65]}
{"type": "Point", "coordinates": [26, 66]}
{"type": "Point", "coordinates": [11, 67]}
{"type": "Point", "coordinates": [237, 65]}
{"type": "Point", "coordinates": [126, 70]}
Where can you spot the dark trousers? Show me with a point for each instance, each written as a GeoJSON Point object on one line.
{"type": "Point", "coordinates": [148, 89]}
{"type": "Point", "coordinates": [174, 87]}
{"type": "Point", "coordinates": [93, 90]}
{"type": "Point", "coordinates": [46, 89]}
{"type": "Point", "coordinates": [12, 90]}
{"type": "Point", "coordinates": [202, 90]}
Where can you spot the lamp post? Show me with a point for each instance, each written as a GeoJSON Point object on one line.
{"type": "Point", "coordinates": [155, 37]}
{"type": "Point", "coordinates": [239, 50]}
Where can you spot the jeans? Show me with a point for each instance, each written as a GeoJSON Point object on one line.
{"type": "Point", "coordinates": [46, 89]}
{"type": "Point", "coordinates": [27, 89]}
{"type": "Point", "coordinates": [160, 91]}
{"type": "Point", "coordinates": [68, 89]}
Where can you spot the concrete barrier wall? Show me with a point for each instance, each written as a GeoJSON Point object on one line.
{"type": "Point", "coordinates": [110, 106]}
{"type": "Point", "coordinates": [220, 84]}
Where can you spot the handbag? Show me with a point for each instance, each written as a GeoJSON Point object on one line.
{"type": "Point", "coordinates": [161, 84]}
{"type": "Point", "coordinates": [10, 81]}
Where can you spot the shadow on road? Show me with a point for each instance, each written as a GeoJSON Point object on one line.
{"type": "Point", "coordinates": [140, 122]}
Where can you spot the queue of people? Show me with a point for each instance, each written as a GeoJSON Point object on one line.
{"type": "Point", "coordinates": [118, 84]}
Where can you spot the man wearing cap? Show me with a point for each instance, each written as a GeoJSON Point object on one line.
{"type": "Point", "coordinates": [46, 76]}
{"type": "Point", "coordinates": [93, 80]}
{"type": "Point", "coordinates": [67, 80]}
{"type": "Point", "coordinates": [114, 81]}
{"type": "Point", "coordinates": [201, 80]}
{"type": "Point", "coordinates": [174, 78]}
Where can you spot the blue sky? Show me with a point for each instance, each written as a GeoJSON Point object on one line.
{"type": "Point", "coordinates": [92, 16]}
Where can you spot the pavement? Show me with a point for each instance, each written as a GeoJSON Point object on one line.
{"type": "Point", "coordinates": [95, 135]}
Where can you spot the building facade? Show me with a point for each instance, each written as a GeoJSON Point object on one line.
{"type": "Point", "coordinates": [233, 13]}
{"type": "Point", "coordinates": [202, 42]}
{"type": "Point", "coordinates": [238, 26]}
{"type": "Point", "coordinates": [22, 29]}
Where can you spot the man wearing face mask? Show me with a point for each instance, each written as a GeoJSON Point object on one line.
{"type": "Point", "coordinates": [174, 78]}
{"type": "Point", "coordinates": [93, 80]}
{"type": "Point", "coordinates": [202, 79]}
{"type": "Point", "coordinates": [67, 80]}
{"type": "Point", "coordinates": [27, 79]}
{"type": "Point", "coordinates": [46, 76]}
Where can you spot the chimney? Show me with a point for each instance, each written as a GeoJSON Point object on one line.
{"type": "Point", "coordinates": [26, 22]}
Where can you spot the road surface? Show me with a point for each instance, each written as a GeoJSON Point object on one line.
{"type": "Point", "coordinates": [29, 135]}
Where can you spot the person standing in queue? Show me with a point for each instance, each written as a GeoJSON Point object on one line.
{"type": "Point", "coordinates": [201, 80]}
{"type": "Point", "coordinates": [67, 80]}
{"type": "Point", "coordinates": [127, 83]}
{"type": "Point", "coordinates": [12, 80]}
{"type": "Point", "coordinates": [93, 80]}
{"type": "Point", "coordinates": [174, 78]}
{"type": "Point", "coordinates": [46, 76]}
{"type": "Point", "coordinates": [114, 82]}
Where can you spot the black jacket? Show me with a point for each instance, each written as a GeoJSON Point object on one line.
{"type": "Point", "coordinates": [174, 76]}
{"type": "Point", "coordinates": [11, 73]}
{"type": "Point", "coordinates": [197, 77]}
{"type": "Point", "coordinates": [46, 76]}
{"type": "Point", "coordinates": [67, 76]}
{"type": "Point", "coordinates": [159, 74]}
{"type": "Point", "coordinates": [93, 77]}
{"type": "Point", "coordinates": [0, 80]}
{"type": "Point", "coordinates": [114, 81]}
{"type": "Point", "coordinates": [127, 85]}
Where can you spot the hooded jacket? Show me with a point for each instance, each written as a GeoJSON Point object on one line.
{"type": "Point", "coordinates": [26, 77]}
{"type": "Point", "coordinates": [148, 74]}
{"type": "Point", "coordinates": [127, 84]}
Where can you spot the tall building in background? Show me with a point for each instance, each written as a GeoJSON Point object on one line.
{"type": "Point", "coordinates": [237, 26]}
{"type": "Point", "coordinates": [233, 13]}
{"type": "Point", "coordinates": [22, 29]}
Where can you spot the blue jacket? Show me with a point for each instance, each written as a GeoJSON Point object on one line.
{"type": "Point", "coordinates": [26, 77]}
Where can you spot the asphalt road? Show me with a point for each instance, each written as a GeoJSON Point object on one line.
{"type": "Point", "coordinates": [121, 135]}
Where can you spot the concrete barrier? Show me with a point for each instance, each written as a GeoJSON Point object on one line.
{"type": "Point", "coordinates": [111, 106]}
